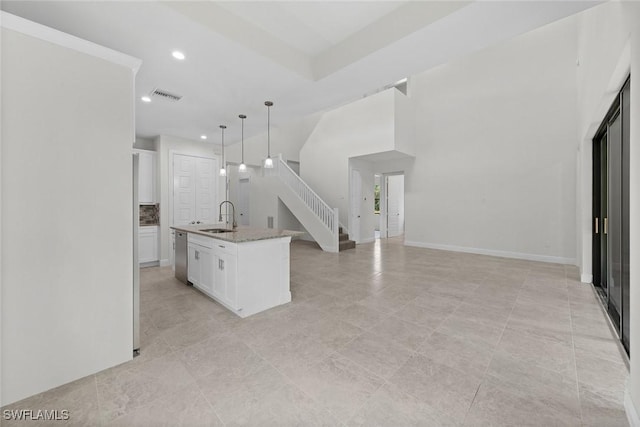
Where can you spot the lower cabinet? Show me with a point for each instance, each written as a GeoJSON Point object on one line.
{"type": "Point", "coordinates": [212, 268]}
{"type": "Point", "coordinates": [148, 244]}
{"type": "Point", "coordinates": [200, 270]}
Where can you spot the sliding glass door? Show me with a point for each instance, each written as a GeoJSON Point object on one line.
{"type": "Point", "coordinates": [611, 213]}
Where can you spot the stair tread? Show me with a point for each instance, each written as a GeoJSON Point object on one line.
{"type": "Point", "coordinates": [346, 244]}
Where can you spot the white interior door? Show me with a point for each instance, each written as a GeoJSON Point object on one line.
{"type": "Point", "coordinates": [244, 187]}
{"type": "Point", "coordinates": [356, 205]}
{"type": "Point", "coordinates": [395, 205]}
{"type": "Point", "coordinates": [194, 189]}
{"type": "Point", "coordinates": [184, 192]}
{"type": "Point", "coordinates": [205, 190]}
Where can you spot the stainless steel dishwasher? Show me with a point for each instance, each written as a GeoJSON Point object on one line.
{"type": "Point", "coordinates": [181, 256]}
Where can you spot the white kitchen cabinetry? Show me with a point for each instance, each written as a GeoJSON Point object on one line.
{"type": "Point", "coordinates": [148, 244]}
{"type": "Point", "coordinates": [212, 268]}
{"type": "Point", "coordinates": [200, 273]}
{"type": "Point", "coordinates": [246, 278]}
{"type": "Point", "coordinates": [146, 177]}
{"type": "Point", "coordinates": [226, 286]}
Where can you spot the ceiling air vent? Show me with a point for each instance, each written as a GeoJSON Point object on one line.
{"type": "Point", "coordinates": [166, 95]}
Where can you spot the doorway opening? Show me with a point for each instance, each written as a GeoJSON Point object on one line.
{"type": "Point", "coordinates": [610, 232]}
{"type": "Point", "coordinates": [391, 204]}
{"type": "Point", "coordinates": [244, 189]}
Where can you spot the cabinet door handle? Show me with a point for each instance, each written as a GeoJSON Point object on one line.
{"type": "Point", "coordinates": [221, 246]}
{"type": "Point", "coordinates": [221, 264]}
{"type": "Point", "coordinates": [197, 255]}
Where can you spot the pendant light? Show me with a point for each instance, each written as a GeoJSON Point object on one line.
{"type": "Point", "coordinates": [268, 162]}
{"type": "Point", "coordinates": [242, 167]}
{"type": "Point", "coordinates": [223, 171]}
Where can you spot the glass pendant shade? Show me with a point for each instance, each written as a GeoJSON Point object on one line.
{"type": "Point", "coordinates": [223, 171]}
{"type": "Point", "coordinates": [242, 167]}
{"type": "Point", "coordinates": [268, 162]}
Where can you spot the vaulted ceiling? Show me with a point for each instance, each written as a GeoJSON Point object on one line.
{"type": "Point", "coordinates": [305, 56]}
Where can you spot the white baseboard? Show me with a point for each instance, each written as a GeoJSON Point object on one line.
{"type": "Point", "coordinates": [586, 278]}
{"type": "Point", "coordinates": [369, 240]}
{"type": "Point", "coordinates": [630, 409]}
{"type": "Point", "coordinates": [165, 263]}
{"type": "Point", "coordinates": [491, 252]}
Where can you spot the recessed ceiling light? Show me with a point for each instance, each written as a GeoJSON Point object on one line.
{"type": "Point", "coordinates": [145, 99]}
{"type": "Point", "coordinates": [203, 136]}
{"type": "Point", "coordinates": [178, 55]}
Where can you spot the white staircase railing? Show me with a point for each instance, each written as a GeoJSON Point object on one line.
{"type": "Point", "coordinates": [325, 213]}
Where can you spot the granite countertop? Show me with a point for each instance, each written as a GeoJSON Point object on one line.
{"type": "Point", "coordinates": [240, 234]}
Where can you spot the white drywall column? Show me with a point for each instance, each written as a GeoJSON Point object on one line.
{"type": "Point", "coordinates": [632, 405]}
{"type": "Point", "coordinates": [67, 230]}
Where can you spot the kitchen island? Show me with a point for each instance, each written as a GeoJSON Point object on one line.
{"type": "Point", "coordinates": [245, 269]}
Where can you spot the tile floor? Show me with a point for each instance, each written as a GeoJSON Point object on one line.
{"type": "Point", "coordinates": [383, 335]}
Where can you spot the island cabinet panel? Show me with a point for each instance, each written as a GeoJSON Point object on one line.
{"type": "Point", "coordinates": [246, 278]}
{"type": "Point", "coordinates": [226, 279]}
{"type": "Point", "coordinates": [201, 261]}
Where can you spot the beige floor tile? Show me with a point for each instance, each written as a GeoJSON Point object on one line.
{"type": "Point", "coordinates": [332, 332]}
{"type": "Point", "coordinates": [79, 398]}
{"type": "Point", "coordinates": [407, 334]}
{"type": "Point", "coordinates": [219, 354]}
{"type": "Point", "coordinates": [287, 406]}
{"type": "Point", "coordinates": [496, 405]}
{"type": "Point", "coordinates": [230, 392]}
{"type": "Point", "coordinates": [553, 355]}
{"type": "Point", "coordinates": [455, 352]}
{"type": "Point", "coordinates": [602, 374]}
{"type": "Point", "coordinates": [127, 387]}
{"type": "Point", "coordinates": [377, 354]}
{"type": "Point", "coordinates": [425, 317]}
{"type": "Point", "coordinates": [185, 408]}
{"type": "Point", "coordinates": [603, 348]}
{"type": "Point", "coordinates": [471, 330]}
{"type": "Point", "coordinates": [500, 342]}
{"type": "Point", "coordinates": [339, 385]}
{"type": "Point", "coordinates": [359, 315]}
{"type": "Point", "coordinates": [601, 409]}
{"type": "Point", "coordinates": [448, 391]}
{"type": "Point", "coordinates": [390, 407]}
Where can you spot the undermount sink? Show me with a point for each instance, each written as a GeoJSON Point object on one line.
{"type": "Point", "coordinates": [217, 230]}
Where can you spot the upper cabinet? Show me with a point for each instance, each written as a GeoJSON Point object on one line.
{"type": "Point", "coordinates": [147, 177]}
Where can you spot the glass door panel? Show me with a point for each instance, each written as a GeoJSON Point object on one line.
{"type": "Point", "coordinates": [614, 223]}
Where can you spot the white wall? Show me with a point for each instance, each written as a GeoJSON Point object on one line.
{"type": "Point", "coordinates": [166, 146]}
{"type": "Point", "coordinates": [496, 134]}
{"type": "Point", "coordinates": [362, 127]}
{"type": "Point", "coordinates": [67, 213]}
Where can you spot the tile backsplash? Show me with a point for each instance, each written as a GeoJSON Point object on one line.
{"type": "Point", "coordinates": [149, 214]}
